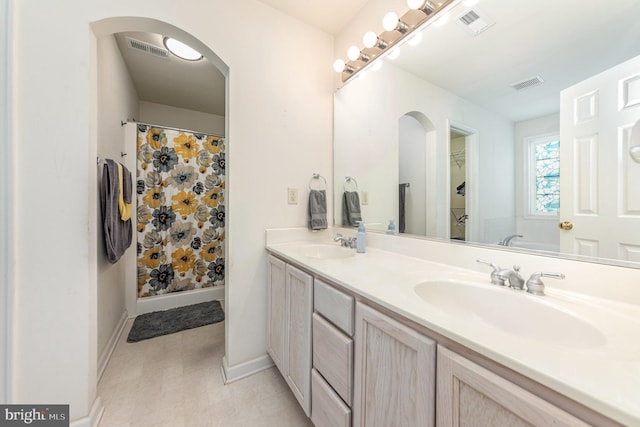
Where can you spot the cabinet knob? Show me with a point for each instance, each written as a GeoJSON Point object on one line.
{"type": "Point", "coordinates": [566, 225]}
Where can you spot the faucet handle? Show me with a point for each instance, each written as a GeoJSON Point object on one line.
{"type": "Point", "coordinates": [535, 285]}
{"type": "Point", "coordinates": [495, 274]}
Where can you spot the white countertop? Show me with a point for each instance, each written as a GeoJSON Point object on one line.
{"type": "Point", "coordinates": [604, 377]}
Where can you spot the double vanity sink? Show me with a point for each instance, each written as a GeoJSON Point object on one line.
{"type": "Point", "coordinates": [581, 347]}
{"type": "Point", "coordinates": [474, 299]}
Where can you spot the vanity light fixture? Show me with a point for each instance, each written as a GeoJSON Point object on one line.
{"type": "Point", "coordinates": [355, 54]}
{"type": "Point", "coordinates": [181, 50]}
{"type": "Point", "coordinates": [391, 22]}
{"type": "Point", "coordinates": [424, 5]}
{"type": "Point", "coordinates": [395, 30]}
{"type": "Point", "coordinates": [370, 40]}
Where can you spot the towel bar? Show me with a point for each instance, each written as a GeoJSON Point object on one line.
{"type": "Point", "coordinates": [347, 180]}
{"type": "Point", "coordinates": [317, 176]}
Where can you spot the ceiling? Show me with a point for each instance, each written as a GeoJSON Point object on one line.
{"type": "Point", "coordinates": [199, 86]}
{"type": "Point", "coordinates": [328, 15]}
{"type": "Point", "coordinates": [563, 42]}
{"type": "Point", "coordinates": [192, 85]}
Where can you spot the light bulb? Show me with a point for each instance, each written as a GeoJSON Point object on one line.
{"type": "Point", "coordinates": [353, 53]}
{"type": "Point", "coordinates": [390, 21]}
{"type": "Point", "coordinates": [370, 39]}
{"type": "Point", "coordinates": [339, 65]}
{"type": "Point", "coordinates": [415, 4]}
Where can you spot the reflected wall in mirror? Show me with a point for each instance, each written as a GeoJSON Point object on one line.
{"type": "Point", "coordinates": [480, 113]}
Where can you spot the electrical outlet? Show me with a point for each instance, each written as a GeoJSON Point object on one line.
{"type": "Point", "coordinates": [365, 197]}
{"type": "Point", "coordinates": [292, 196]}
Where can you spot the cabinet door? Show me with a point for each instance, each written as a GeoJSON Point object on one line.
{"type": "Point", "coordinates": [276, 314]}
{"type": "Point", "coordinates": [299, 303]}
{"type": "Point", "coordinates": [394, 373]}
{"type": "Point", "coordinates": [469, 395]}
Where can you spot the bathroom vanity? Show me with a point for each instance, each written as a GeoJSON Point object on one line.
{"type": "Point", "coordinates": [383, 338]}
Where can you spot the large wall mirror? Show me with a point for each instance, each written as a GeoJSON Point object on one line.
{"type": "Point", "coordinates": [511, 125]}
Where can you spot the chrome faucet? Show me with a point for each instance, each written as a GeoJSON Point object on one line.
{"type": "Point", "coordinates": [347, 242]}
{"type": "Point", "coordinates": [499, 275]}
{"type": "Point", "coordinates": [513, 276]}
{"type": "Point", "coordinates": [535, 285]}
{"type": "Point", "coordinates": [507, 240]}
{"type": "Point", "coordinates": [495, 278]}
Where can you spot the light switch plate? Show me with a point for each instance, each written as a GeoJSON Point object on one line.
{"type": "Point", "coordinates": [365, 197]}
{"type": "Point", "coordinates": [292, 196]}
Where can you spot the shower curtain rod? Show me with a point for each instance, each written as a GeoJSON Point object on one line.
{"type": "Point", "coordinates": [124, 122]}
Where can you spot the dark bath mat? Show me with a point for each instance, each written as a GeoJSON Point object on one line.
{"type": "Point", "coordinates": [165, 322]}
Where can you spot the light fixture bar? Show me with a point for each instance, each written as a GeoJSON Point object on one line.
{"type": "Point", "coordinates": [420, 13]}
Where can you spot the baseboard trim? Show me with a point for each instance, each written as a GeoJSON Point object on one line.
{"type": "Point", "coordinates": [103, 360]}
{"type": "Point", "coordinates": [243, 370]}
{"type": "Point", "coordinates": [91, 420]}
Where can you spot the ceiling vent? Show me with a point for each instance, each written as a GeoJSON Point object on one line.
{"type": "Point", "coordinates": [147, 48]}
{"type": "Point", "coordinates": [474, 21]}
{"type": "Point", "coordinates": [525, 84]}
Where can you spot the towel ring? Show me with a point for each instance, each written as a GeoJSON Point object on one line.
{"type": "Point", "coordinates": [317, 176]}
{"type": "Point", "coordinates": [347, 180]}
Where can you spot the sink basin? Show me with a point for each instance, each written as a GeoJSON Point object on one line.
{"type": "Point", "coordinates": [510, 311]}
{"type": "Point", "coordinates": [326, 251]}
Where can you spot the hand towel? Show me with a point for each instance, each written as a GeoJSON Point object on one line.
{"type": "Point", "coordinates": [317, 210]}
{"type": "Point", "coordinates": [117, 233]}
{"type": "Point", "coordinates": [351, 209]}
{"type": "Point", "coordinates": [124, 192]}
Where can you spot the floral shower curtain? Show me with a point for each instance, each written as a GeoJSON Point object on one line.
{"type": "Point", "coordinates": [180, 210]}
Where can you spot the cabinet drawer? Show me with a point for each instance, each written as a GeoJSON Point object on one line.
{"type": "Point", "coordinates": [334, 305]}
{"type": "Point", "coordinates": [327, 410]}
{"type": "Point", "coordinates": [333, 357]}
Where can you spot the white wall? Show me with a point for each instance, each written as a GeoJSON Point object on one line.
{"type": "Point", "coordinates": [6, 201]}
{"type": "Point", "coordinates": [279, 108]}
{"type": "Point", "coordinates": [169, 116]}
{"type": "Point", "coordinates": [366, 147]}
{"type": "Point", "coordinates": [117, 99]}
{"type": "Point", "coordinates": [543, 230]}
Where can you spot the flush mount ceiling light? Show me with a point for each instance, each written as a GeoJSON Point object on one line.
{"type": "Point", "coordinates": [395, 30]}
{"type": "Point", "coordinates": [181, 50]}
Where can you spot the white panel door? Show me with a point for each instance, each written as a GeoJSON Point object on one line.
{"type": "Point", "coordinates": [600, 183]}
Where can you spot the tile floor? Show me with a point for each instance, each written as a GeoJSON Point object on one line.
{"type": "Point", "coordinates": [175, 380]}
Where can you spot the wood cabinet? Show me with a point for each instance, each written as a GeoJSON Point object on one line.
{"type": "Point", "coordinates": [470, 395]}
{"type": "Point", "coordinates": [370, 369]}
{"type": "Point", "coordinates": [327, 409]}
{"type": "Point", "coordinates": [332, 382]}
{"type": "Point", "coordinates": [276, 298]}
{"type": "Point", "coordinates": [394, 373]}
{"type": "Point", "coordinates": [289, 309]}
